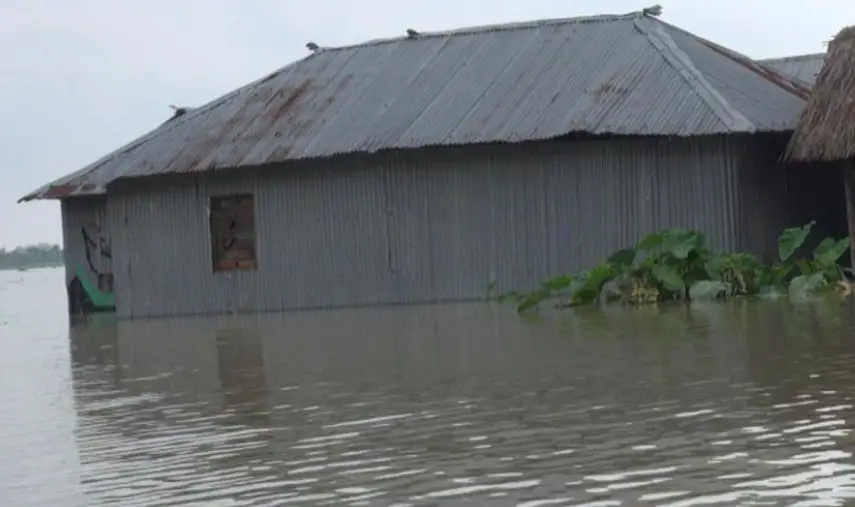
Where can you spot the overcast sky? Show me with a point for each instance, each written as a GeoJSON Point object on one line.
{"type": "Point", "coordinates": [80, 78]}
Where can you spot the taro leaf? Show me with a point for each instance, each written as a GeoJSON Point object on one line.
{"type": "Point", "coordinates": [803, 286]}
{"type": "Point", "coordinates": [651, 241]}
{"type": "Point", "coordinates": [828, 252]}
{"type": "Point", "coordinates": [740, 265]}
{"type": "Point", "coordinates": [804, 266]}
{"type": "Point", "coordinates": [558, 283]}
{"type": "Point", "coordinates": [623, 259]}
{"type": "Point", "coordinates": [791, 239]}
{"type": "Point", "coordinates": [708, 290]}
{"type": "Point", "coordinates": [669, 278]}
{"type": "Point", "coordinates": [776, 274]}
{"type": "Point", "coordinates": [680, 242]}
{"type": "Point", "coordinates": [593, 282]}
{"type": "Point", "coordinates": [717, 265]}
{"type": "Point", "coordinates": [823, 247]}
{"type": "Point", "coordinates": [532, 300]}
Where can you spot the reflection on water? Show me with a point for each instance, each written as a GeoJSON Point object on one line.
{"type": "Point", "coordinates": [737, 404]}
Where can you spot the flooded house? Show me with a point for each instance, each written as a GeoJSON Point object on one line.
{"type": "Point", "coordinates": [824, 138]}
{"type": "Point", "coordinates": [427, 167]}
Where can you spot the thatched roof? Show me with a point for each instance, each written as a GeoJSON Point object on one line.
{"type": "Point", "coordinates": [826, 130]}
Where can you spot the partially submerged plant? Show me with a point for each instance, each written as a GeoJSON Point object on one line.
{"type": "Point", "coordinates": [677, 264]}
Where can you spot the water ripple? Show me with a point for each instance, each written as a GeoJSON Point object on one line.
{"type": "Point", "coordinates": [732, 405]}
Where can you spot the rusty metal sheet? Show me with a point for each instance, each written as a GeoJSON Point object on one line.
{"type": "Point", "coordinates": [624, 75]}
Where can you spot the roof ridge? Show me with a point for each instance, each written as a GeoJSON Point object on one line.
{"type": "Point", "coordinates": [681, 62]}
{"type": "Point", "coordinates": [496, 27]}
{"type": "Point", "coordinates": [782, 80]}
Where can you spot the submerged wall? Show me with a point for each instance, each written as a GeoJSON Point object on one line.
{"type": "Point", "coordinates": [88, 254]}
{"type": "Point", "coordinates": [433, 225]}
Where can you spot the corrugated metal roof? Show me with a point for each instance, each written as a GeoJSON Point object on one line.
{"type": "Point", "coordinates": [802, 67]}
{"type": "Point", "coordinates": [627, 74]}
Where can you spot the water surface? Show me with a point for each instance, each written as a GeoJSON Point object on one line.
{"type": "Point", "coordinates": [737, 404]}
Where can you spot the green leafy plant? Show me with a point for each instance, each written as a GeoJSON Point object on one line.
{"type": "Point", "coordinates": [825, 260]}
{"type": "Point", "coordinates": [740, 272]}
{"type": "Point", "coordinates": [677, 264]}
{"type": "Point", "coordinates": [547, 290]}
{"type": "Point", "coordinates": [792, 239]}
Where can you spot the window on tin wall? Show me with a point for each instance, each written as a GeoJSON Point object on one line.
{"type": "Point", "coordinates": [233, 232]}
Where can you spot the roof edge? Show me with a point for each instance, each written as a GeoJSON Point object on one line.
{"type": "Point", "coordinates": [791, 58]}
{"type": "Point", "coordinates": [44, 191]}
{"type": "Point", "coordinates": [680, 61]}
{"type": "Point", "coordinates": [61, 191]}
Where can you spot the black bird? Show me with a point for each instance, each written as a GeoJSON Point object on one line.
{"type": "Point", "coordinates": [179, 111]}
{"type": "Point", "coordinates": [313, 47]}
{"type": "Point", "coordinates": [412, 34]}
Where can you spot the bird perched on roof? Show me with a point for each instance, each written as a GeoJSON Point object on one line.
{"type": "Point", "coordinates": [179, 111]}
{"type": "Point", "coordinates": [655, 10]}
{"type": "Point", "coordinates": [311, 46]}
{"type": "Point", "coordinates": [412, 34]}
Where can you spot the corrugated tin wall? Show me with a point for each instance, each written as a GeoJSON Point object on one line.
{"type": "Point", "coordinates": [86, 238]}
{"type": "Point", "coordinates": [775, 197]}
{"type": "Point", "coordinates": [763, 193]}
{"type": "Point", "coordinates": [425, 226]}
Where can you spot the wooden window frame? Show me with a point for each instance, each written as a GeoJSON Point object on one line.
{"type": "Point", "coordinates": [246, 257]}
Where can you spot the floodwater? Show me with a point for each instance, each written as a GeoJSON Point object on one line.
{"type": "Point", "coordinates": [737, 404]}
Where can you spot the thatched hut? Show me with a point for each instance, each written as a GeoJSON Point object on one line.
{"type": "Point", "coordinates": [825, 132]}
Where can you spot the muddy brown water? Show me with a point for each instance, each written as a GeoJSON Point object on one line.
{"type": "Point", "coordinates": [735, 404]}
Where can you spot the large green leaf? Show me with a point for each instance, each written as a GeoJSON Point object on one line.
{"type": "Point", "coordinates": [829, 251]}
{"type": "Point", "coordinates": [681, 242]}
{"type": "Point", "coordinates": [804, 266]}
{"type": "Point", "coordinates": [651, 242]}
{"type": "Point", "coordinates": [717, 265]}
{"type": "Point", "coordinates": [792, 239]}
{"type": "Point", "coordinates": [742, 264]}
{"type": "Point", "coordinates": [592, 282]}
{"type": "Point", "coordinates": [558, 283]}
{"type": "Point", "coordinates": [530, 301]}
{"type": "Point", "coordinates": [669, 278]}
{"type": "Point", "coordinates": [623, 259]}
{"type": "Point", "coordinates": [776, 274]}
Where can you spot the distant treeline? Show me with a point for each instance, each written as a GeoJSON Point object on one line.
{"type": "Point", "coordinates": [32, 256]}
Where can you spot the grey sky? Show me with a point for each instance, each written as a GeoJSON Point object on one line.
{"type": "Point", "coordinates": [79, 79]}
